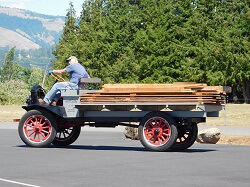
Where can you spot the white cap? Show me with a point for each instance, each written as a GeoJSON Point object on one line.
{"type": "Point", "coordinates": [70, 58]}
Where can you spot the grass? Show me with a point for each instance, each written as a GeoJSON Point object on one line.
{"type": "Point", "coordinates": [234, 115]}
{"type": "Point", "coordinates": [10, 112]}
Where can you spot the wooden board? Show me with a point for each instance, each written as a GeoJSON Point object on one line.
{"type": "Point", "coordinates": [157, 93]}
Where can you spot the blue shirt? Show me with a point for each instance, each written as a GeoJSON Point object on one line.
{"type": "Point", "coordinates": [76, 71]}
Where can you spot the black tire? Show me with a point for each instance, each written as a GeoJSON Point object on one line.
{"type": "Point", "coordinates": [37, 128]}
{"type": "Point", "coordinates": [157, 131]}
{"type": "Point", "coordinates": [65, 137]}
{"type": "Point", "coordinates": [187, 135]}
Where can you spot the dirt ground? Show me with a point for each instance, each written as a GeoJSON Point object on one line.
{"type": "Point", "coordinates": [234, 115]}
{"type": "Point", "coordinates": [234, 140]}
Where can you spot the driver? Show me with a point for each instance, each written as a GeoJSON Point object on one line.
{"type": "Point", "coordinates": [76, 71]}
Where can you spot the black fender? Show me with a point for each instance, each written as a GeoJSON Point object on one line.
{"type": "Point", "coordinates": [49, 109]}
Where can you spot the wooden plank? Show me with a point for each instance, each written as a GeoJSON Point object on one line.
{"type": "Point", "coordinates": [160, 93]}
{"type": "Point", "coordinates": [145, 99]}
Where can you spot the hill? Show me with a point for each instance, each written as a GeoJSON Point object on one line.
{"type": "Point", "coordinates": [34, 36]}
{"type": "Point", "coordinates": [28, 30]}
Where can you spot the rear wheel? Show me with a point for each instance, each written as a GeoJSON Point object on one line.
{"type": "Point", "coordinates": [187, 135]}
{"type": "Point", "coordinates": [157, 131]}
{"type": "Point", "coordinates": [37, 128]}
{"type": "Point", "coordinates": [65, 137]}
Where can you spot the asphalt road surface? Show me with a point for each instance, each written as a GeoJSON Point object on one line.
{"type": "Point", "coordinates": [107, 159]}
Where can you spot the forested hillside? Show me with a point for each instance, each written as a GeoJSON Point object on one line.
{"type": "Point", "coordinates": [159, 41]}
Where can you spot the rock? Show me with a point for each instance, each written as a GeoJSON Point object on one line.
{"type": "Point", "coordinates": [132, 133]}
{"type": "Point", "coordinates": [211, 136]}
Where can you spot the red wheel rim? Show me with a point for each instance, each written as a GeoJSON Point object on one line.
{"type": "Point", "coordinates": [157, 131]}
{"type": "Point", "coordinates": [37, 129]}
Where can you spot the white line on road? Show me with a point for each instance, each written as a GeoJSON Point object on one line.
{"type": "Point", "coordinates": [5, 180]}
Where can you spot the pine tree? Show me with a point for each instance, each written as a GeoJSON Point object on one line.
{"type": "Point", "coordinates": [7, 72]}
{"type": "Point", "coordinates": [69, 40]}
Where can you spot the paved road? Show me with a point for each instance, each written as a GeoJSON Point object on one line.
{"type": "Point", "coordinates": [107, 159]}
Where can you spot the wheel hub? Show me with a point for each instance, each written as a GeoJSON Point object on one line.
{"type": "Point", "coordinates": [156, 132]}
{"type": "Point", "coordinates": [37, 129]}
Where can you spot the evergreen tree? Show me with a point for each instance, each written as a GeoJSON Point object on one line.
{"type": "Point", "coordinates": [161, 41]}
{"type": "Point", "coordinates": [7, 72]}
{"type": "Point", "coordinates": [69, 40]}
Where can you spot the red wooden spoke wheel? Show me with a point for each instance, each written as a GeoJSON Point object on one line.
{"type": "Point", "coordinates": [157, 131]}
{"type": "Point", "coordinates": [37, 128]}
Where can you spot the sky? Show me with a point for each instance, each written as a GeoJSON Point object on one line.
{"type": "Point", "coordinates": [49, 7]}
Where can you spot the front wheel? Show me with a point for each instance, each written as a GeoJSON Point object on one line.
{"type": "Point", "coordinates": [157, 131]}
{"type": "Point", "coordinates": [37, 128]}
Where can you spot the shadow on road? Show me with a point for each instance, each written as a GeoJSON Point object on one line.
{"type": "Point", "coordinates": [119, 148]}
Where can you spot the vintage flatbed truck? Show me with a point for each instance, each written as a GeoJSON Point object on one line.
{"type": "Point", "coordinates": [167, 120]}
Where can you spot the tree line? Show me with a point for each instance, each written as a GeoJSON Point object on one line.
{"type": "Point", "coordinates": [148, 41]}
{"type": "Point", "coordinates": [16, 80]}
{"type": "Point", "coordinates": [161, 41]}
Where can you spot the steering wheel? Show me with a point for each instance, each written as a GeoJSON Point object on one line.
{"type": "Point", "coordinates": [57, 77]}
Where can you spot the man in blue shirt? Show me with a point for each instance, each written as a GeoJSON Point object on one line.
{"type": "Point", "coordinates": [76, 71]}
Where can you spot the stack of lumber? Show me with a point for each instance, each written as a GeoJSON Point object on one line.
{"type": "Point", "coordinates": [156, 93]}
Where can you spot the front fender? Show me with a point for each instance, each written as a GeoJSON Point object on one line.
{"type": "Point", "coordinates": [53, 110]}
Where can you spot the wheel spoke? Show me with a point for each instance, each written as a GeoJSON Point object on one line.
{"type": "Point", "coordinates": [162, 123]}
{"type": "Point", "coordinates": [150, 137]}
{"type": "Point", "coordinates": [43, 124]}
{"type": "Point", "coordinates": [35, 136]}
{"type": "Point", "coordinates": [31, 134]}
{"type": "Point", "coordinates": [38, 135]}
{"type": "Point", "coordinates": [148, 132]}
{"type": "Point", "coordinates": [60, 134]}
{"type": "Point", "coordinates": [33, 122]}
{"type": "Point", "coordinates": [43, 135]}
{"type": "Point", "coordinates": [163, 138]}
{"type": "Point", "coordinates": [153, 139]}
{"type": "Point", "coordinates": [165, 134]}
{"type": "Point", "coordinates": [45, 131]}
{"type": "Point", "coordinates": [166, 130]}
{"type": "Point", "coordinates": [66, 131]}
{"type": "Point", "coordinates": [159, 140]}
{"type": "Point", "coordinates": [29, 125]}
